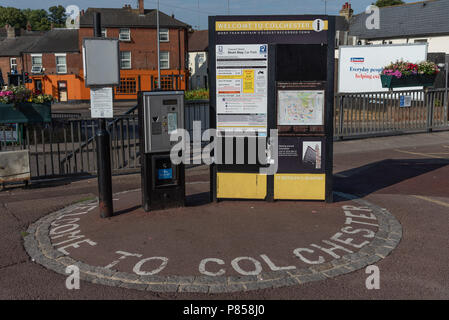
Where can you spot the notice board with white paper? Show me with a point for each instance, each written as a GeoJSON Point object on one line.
{"type": "Point", "coordinates": [242, 88]}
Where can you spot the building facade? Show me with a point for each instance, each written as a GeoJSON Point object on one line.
{"type": "Point", "coordinates": [136, 30]}
{"type": "Point", "coordinates": [54, 59]}
{"type": "Point", "coordinates": [418, 22]}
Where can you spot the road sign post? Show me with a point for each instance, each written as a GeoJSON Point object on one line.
{"type": "Point", "coordinates": [101, 72]}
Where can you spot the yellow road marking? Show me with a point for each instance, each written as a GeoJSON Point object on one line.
{"type": "Point", "coordinates": [444, 204]}
{"type": "Point", "coordinates": [420, 154]}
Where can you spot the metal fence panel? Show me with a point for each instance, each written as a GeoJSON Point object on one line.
{"type": "Point", "coordinates": [66, 146]}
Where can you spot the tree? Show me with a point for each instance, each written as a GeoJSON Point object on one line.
{"type": "Point", "coordinates": [12, 16]}
{"type": "Point", "coordinates": [57, 15]}
{"type": "Point", "coordinates": [38, 19]}
{"type": "Point", "coordinates": [386, 3]}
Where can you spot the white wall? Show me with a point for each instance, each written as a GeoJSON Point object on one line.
{"type": "Point", "coordinates": [198, 70]}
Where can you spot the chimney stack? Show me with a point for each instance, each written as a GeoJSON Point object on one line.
{"type": "Point", "coordinates": [346, 11]}
{"type": "Point", "coordinates": [28, 26]}
{"type": "Point", "coordinates": [11, 32]}
{"type": "Point", "coordinates": [141, 7]}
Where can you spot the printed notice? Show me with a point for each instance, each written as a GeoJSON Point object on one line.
{"type": "Point", "coordinates": [242, 82]}
{"type": "Point", "coordinates": [300, 107]}
{"type": "Point", "coordinates": [101, 103]}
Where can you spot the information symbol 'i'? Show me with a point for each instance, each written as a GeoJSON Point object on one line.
{"type": "Point", "coordinates": [318, 25]}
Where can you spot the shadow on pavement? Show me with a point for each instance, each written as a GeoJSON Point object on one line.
{"type": "Point", "coordinates": [373, 177]}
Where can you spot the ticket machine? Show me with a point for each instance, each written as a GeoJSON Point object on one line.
{"type": "Point", "coordinates": [163, 183]}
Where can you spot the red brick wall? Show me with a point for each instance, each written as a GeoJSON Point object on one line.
{"type": "Point", "coordinates": [74, 62]}
{"type": "Point", "coordinates": [143, 46]}
{"type": "Point", "coordinates": [6, 68]}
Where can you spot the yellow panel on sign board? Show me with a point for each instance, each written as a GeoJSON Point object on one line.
{"type": "Point", "coordinates": [300, 186]}
{"type": "Point", "coordinates": [303, 25]}
{"type": "Point", "coordinates": [248, 81]}
{"type": "Point", "coordinates": [241, 185]}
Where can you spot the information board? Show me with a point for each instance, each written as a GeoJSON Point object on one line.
{"type": "Point", "coordinates": [242, 88]}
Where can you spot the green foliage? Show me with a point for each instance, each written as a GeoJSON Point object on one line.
{"type": "Point", "coordinates": [39, 19]}
{"type": "Point", "coordinates": [200, 94]}
{"type": "Point", "coordinates": [387, 3]}
{"type": "Point", "coordinates": [12, 16]}
{"type": "Point", "coordinates": [57, 15]}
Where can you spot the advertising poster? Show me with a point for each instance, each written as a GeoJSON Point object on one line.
{"type": "Point", "coordinates": [242, 88]}
{"type": "Point", "coordinates": [360, 66]}
{"type": "Point", "coordinates": [301, 155]}
{"type": "Point", "coordinates": [299, 107]}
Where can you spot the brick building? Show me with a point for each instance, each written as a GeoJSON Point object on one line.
{"type": "Point", "coordinates": [54, 59]}
{"type": "Point", "coordinates": [12, 43]}
{"type": "Point", "coordinates": [54, 63]}
{"type": "Point", "coordinates": [137, 31]}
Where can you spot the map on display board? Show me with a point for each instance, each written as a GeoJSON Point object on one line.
{"type": "Point", "coordinates": [299, 107]}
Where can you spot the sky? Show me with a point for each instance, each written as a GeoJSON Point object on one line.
{"type": "Point", "coordinates": [195, 12]}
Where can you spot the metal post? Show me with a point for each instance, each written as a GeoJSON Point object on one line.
{"type": "Point", "coordinates": [158, 50]}
{"type": "Point", "coordinates": [104, 172]}
{"type": "Point", "coordinates": [446, 103]}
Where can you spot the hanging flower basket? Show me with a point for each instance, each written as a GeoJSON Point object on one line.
{"type": "Point", "coordinates": [25, 112]}
{"type": "Point", "coordinates": [406, 74]}
{"type": "Point", "coordinates": [415, 80]}
{"type": "Point", "coordinates": [21, 105]}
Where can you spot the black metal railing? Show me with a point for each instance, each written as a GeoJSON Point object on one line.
{"type": "Point", "coordinates": [66, 146]}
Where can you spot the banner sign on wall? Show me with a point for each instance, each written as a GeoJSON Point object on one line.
{"type": "Point", "coordinates": [272, 31]}
{"type": "Point", "coordinates": [360, 66]}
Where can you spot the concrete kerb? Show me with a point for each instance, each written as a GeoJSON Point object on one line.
{"type": "Point", "coordinates": [38, 246]}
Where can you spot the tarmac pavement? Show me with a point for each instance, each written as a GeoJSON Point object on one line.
{"type": "Point", "coordinates": [407, 175]}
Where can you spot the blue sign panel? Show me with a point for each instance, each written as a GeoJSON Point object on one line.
{"type": "Point", "coordinates": [165, 174]}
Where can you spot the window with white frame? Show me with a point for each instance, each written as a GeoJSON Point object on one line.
{"type": "Point", "coordinates": [164, 60]}
{"type": "Point", "coordinates": [61, 63]}
{"type": "Point", "coordinates": [13, 64]}
{"type": "Point", "coordinates": [125, 59]}
{"type": "Point", "coordinates": [163, 35]}
{"type": "Point", "coordinates": [36, 63]}
{"type": "Point", "coordinates": [104, 33]}
{"type": "Point", "coordinates": [124, 34]}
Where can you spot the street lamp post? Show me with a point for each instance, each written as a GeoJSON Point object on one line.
{"type": "Point", "coordinates": [158, 50]}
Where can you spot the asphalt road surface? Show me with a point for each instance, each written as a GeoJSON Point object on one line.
{"type": "Point", "coordinates": [408, 175]}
